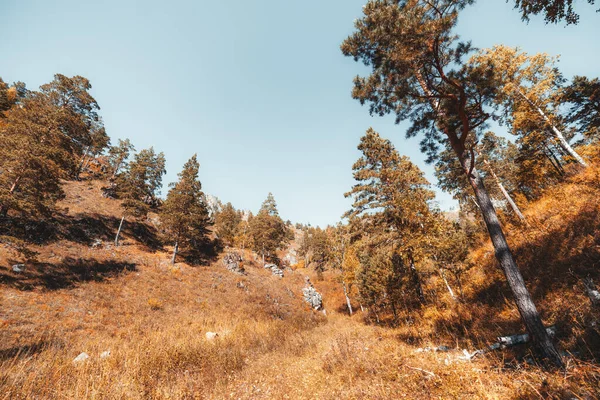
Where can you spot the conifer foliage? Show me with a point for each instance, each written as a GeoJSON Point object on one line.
{"type": "Point", "coordinates": [45, 138]}
{"type": "Point", "coordinates": [391, 217]}
{"type": "Point", "coordinates": [419, 74]}
{"type": "Point", "coordinates": [184, 215]}
{"type": "Point", "coordinates": [227, 224]}
{"type": "Point", "coordinates": [267, 230]}
{"type": "Point", "coordinates": [139, 183]}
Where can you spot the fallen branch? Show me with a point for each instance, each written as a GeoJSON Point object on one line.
{"type": "Point", "coordinates": [421, 370]}
{"type": "Point", "coordinates": [507, 341]}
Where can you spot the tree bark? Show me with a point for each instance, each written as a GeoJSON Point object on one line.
{"type": "Point", "coordinates": [347, 298]}
{"type": "Point", "coordinates": [175, 249]}
{"type": "Point", "coordinates": [525, 305]}
{"type": "Point", "coordinates": [509, 199]}
{"type": "Point", "coordinates": [416, 280]}
{"type": "Point", "coordinates": [119, 232]}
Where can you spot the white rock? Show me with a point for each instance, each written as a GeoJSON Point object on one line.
{"type": "Point", "coordinates": [81, 358]}
{"type": "Point", "coordinates": [105, 354]}
{"type": "Point", "coordinates": [18, 267]}
{"type": "Point", "coordinates": [211, 335]}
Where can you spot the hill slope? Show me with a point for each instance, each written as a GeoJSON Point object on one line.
{"type": "Point", "coordinates": [81, 294]}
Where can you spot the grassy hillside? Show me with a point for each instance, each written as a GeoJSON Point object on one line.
{"type": "Point", "coordinates": [78, 293]}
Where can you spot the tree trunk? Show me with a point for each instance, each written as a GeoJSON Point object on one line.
{"type": "Point", "coordinates": [554, 160]}
{"type": "Point", "coordinates": [117, 167]}
{"type": "Point", "coordinates": [505, 193]}
{"type": "Point", "coordinates": [80, 168]}
{"type": "Point", "coordinates": [347, 298]}
{"type": "Point", "coordinates": [447, 284]}
{"type": "Point", "coordinates": [525, 305]}
{"type": "Point", "coordinates": [119, 232]}
{"type": "Point", "coordinates": [416, 280]}
{"type": "Point", "coordinates": [4, 207]}
{"type": "Point", "coordinates": [175, 249]}
{"type": "Point", "coordinates": [557, 133]}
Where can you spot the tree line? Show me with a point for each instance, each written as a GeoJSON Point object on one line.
{"type": "Point", "coordinates": [56, 134]}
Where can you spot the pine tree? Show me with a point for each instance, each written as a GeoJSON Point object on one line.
{"type": "Point", "coordinates": [227, 224]}
{"type": "Point", "coordinates": [184, 216]}
{"type": "Point", "coordinates": [529, 89]}
{"type": "Point", "coordinates": [391, 210]}
{"type": "Point", "coordinates": [583, 98]}
{"type": "Point", "coordinates": [418, 73]}
{"type": "Point", "coordinates": [139, 183]}
{"type": "Point", "coordinates": [118, 155]}
{"type": "Point", "coordinates": [267, 230]}
{"type": "Point", "coordinates": [45, 139]}
{"type": "Point", "coordinates": [77, 116]}
{"type": "Point", "coordinates": [315, 247]}
{"type": "Point", "coordinates": [553, 11]}
{"type": "Point", "coordinates": [33, 159]}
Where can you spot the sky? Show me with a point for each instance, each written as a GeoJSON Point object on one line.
{"type": "Point", "coordinates": [258, 89]}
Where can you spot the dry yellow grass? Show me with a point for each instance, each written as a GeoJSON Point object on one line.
{"type": "Point", "coordinates": [153, 318]}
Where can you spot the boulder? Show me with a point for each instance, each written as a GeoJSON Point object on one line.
{"type": "Point", "coordinates": [311, 296]}
{"type": "Point", "coordinates": [18, 268]}
{"type": "Point", "coordinates": [81, 358]}
{"type": "Point", "coordinates": [275, 270]}
{"type": "Point", "coordinates": [232, 262]}
{"type": "Point", "coordinates": [105, 354]}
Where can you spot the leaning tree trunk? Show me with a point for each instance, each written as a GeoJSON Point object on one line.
{"type": "Point", "coordinates": [175, 249]}
{"type": "Point", "coordinates": [119, 232]}
{"type": "Point", "coordinates": [447, 284]}
{"type": "Point", "coordinates": [509, 199]}
{"type": "Point", "coordinates": [557, 133]}
{"type": "Point", "coordinates": [529, 314]}
{"type": "Point", "coordinates": [525, 305]}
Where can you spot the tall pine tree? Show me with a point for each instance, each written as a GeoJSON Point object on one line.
{"type": "Point", "coordinates": [184, 215]}
{"type": "Point", "coordinates": [267, 230]}
{"type": "Point", "coordinates": [418, 73]}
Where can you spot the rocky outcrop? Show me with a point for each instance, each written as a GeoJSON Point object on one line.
{"type": "Point", "coordinates": [275, 270]}
{"type": "Point", "coordinates": [233, 262]}
{"type": "Point", "coordinates": [291, 257]}
{"type": "Point", "coordinates": [311, 296]}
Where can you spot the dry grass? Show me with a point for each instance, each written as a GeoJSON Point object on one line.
{"type": "Point", "coordinates": [153, 318]}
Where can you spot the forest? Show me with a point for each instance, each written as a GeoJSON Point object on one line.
{"type": "Point", "coordinates": [412, 300]}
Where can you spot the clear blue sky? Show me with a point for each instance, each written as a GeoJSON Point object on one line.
{"type": "Point", "coordinates": [259, 89]}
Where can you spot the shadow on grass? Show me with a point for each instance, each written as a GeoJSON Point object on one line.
{"type": "Point", "coordinates": [26, 350]}
{"type": "Point", "coordinates": [206, 253]}
{"type": "Point", "coordinates": [83, 229]}
{"type": "Point", "coordinates": [63, 275]}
